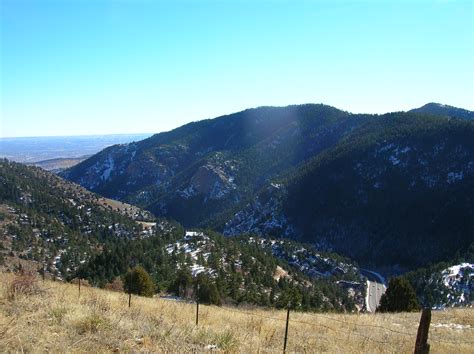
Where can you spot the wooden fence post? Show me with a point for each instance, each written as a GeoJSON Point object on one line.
{"type": "Point", "coordinates": [286, 328]}
{"type": "Point", "coordinates": [197, 305]}
{"type": "Point", "coordinates": [421, 345]}
{"type": "Point", "coordinates": [129, 298]}
{"type": "Point", "coordinates": [79, 287]}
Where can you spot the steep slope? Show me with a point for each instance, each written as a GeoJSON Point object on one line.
{"type": "Point", "coordinates": [439, 109]}
{"type": "Point", "coordinates": [398, 191]}
{"type": "Point", "coordinates": [55, 223]}
{"type": "Point", "coordinates": [195, 172]}
{"type": "Point", "coordinates": [390, 190]}
{"type": "Point", "coordinates": [446, 284]}
{"type": "Point", "coordinates": [443, 286]}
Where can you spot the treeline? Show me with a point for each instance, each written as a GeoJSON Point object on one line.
{"type": "Point", "coordinates": [236, 273]}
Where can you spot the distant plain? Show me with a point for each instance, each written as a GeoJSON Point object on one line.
{"type": "Point", "coordinates": [42, 149]}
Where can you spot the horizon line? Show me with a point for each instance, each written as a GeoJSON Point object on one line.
{"type": "Point", "coordinates": [222, 115]}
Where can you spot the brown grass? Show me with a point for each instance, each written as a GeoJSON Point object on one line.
{"type": "Point", "coordinates": [56, 319]}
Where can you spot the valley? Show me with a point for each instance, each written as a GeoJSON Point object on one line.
{"type": "Point", "coordinates": [236, 176]}
{"type": "Point", "coordinates": [263, 211]}
{"type": "Point", "coordinates": [384, 190]}
{"type": "Point", "coordinates": [52, 224]}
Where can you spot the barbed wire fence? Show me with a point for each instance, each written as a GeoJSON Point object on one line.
{"type": "Point", "coordinates": [348, 324]}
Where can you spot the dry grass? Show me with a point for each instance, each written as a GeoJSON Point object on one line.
{"type": "Point", "coordinates": [56, 319]}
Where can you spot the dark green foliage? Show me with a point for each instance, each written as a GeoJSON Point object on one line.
{"type": "Point", "coordinates": [374, 188]}
{"type": "Point", "coordinates": [138, 281]}
{"type": "Point", "coordinates": [399, 297]}
{"type": "Point", "coordinates": [240, 144]}
{"type": "Point", "coordinates": [250, 283]}
{"type": "Point", "coordinates": [384, 196]}
{"type": "Point", "coordinates": [207, 292]}
{"type": "Point", "coordinates": [183, 284]}
{"type": "Point", "coordinates": [53, 216]}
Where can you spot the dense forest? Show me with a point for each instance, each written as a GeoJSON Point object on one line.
{"type": "Point", "coordinates": [233, 270]}
{"type": "Point", "coordinates": [392, 190]}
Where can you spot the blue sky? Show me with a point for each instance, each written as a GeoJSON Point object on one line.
{"type": "Point", "coordinates": [109, 66]}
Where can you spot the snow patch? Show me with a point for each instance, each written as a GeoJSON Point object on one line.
{"type": "Point", "coordinates": [454, 177]}
{"type": "Point", "coordinates": [109, 166]}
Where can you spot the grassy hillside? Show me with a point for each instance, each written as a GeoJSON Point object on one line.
{"type": "Point", "coordinates": [51, 316]}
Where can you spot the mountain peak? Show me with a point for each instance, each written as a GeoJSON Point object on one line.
{"type": "Point", "coordinates": [440, 109]}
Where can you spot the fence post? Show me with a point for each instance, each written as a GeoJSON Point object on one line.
{"type": "Point", "coordinates": [79, 287]}
{"type": "Point", "coordinates": [286, 329]}
{"type": "Point", "coordinates": [197, 305]}
{"type": "Point", "coordinates": [129, 298]}
{"type": "Point", "coordinates": [421, 345]}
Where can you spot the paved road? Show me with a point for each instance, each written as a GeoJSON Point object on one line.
{"type": "Point", "coordinates": [374, 291]}
{"type": "Point", "coordinates": [372, 276]}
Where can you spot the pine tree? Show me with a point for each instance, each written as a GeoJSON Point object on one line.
{"type": "Point", "coordinates": [138, 281]}
{"type": "Point", "coordinates": [399, 297]}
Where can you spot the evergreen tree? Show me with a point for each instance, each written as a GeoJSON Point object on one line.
{"type": "Point", "coordinates": [138, 281]}
{"type": "Point", "coordinates": [208, 292]}
{"type": "Point", "coordinates": [182, 284]}
{"type": "Point", "coordinates": [399, 297]}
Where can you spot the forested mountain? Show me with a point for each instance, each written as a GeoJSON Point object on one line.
{"type": "Point", "coordinates": [387, 190]}
{"type": "Point", "coordinates": [446, 283]}
{"type": "Point", "coordinates": [399, 192]}
{"type": "Point", "coordinates": [444, 110]}
{"type": "Point", "coordinates": [56, 223]}
{"type": "Point", "coordinates": [195, 172]}
{"type": "Point", "coordinates": [49, 222]}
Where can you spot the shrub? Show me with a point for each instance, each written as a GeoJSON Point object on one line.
{"type": "Point", "coordinates": [227, 341]}
{"type": "Point", "coordinates": [115, 285]}
{"type": "Point", "coordinates": [138, 281]}
{"type": "Point", "coordinates": [92, 323]}
{"type": "Point", "coordinates": [57, 314]}
{"type": "Point", "coordinates": [22, 284]}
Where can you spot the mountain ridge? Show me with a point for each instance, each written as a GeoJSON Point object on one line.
{"type": "Point", "coordinates": [209, 172]}
{"type": "Point", "coordinates": [444, 110]}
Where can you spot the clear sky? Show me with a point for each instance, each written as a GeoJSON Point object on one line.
{"type": "Point", "coordinates": [71, 67]}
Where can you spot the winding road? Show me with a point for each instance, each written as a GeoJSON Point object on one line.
{"type": "Point", "coordinates": [375, 289]}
